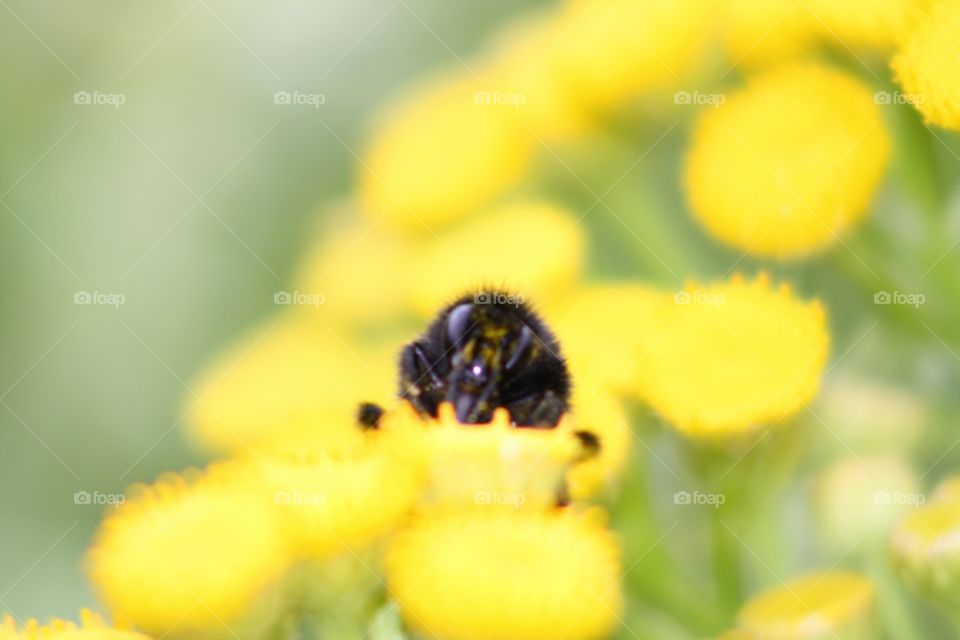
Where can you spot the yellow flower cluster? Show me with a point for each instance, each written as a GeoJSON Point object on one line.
{"type": "Point", "coordinates": [816, 607]}
{"type": "Point", "coordinates": [202, 550]}
{"type": "Point", "coordinates": [927, 64]}
{"type": "Point", "coordinates": [91, 627]}
{"type": "Point", "coordinates": [462, 139]}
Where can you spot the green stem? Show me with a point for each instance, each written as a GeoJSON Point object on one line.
{"type": "Point", "coordinates": [727, 561]}
{"type": "Point", "coordinates": [893, 612]}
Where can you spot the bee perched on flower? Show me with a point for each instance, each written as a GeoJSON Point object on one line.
{"type": "Point", "coordinates": [482, 352]}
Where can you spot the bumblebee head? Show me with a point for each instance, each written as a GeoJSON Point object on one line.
{"type": "Point", "coordinates": [482, 352]}
{"type": "Point", "coordinates": [487, 343]}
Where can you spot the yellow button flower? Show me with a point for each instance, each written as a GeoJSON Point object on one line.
{"type": "Point", "coordinates": [504, 575]}
{"type": "Point", "coordinates": [292, 379]}
{"type": "Point", "coordinates": [597, 413]}
{"type": "Point", "coordinates": [519, 71]}
{"type": "Point", "coordinates": [440, 153]}
{"type": "Point", "coordinates": [785, 166]}
{"type": "Point", "coordinates": [335, 502]}
{"type": "Point", "coordinates": [927, 64]}
{"type": "Point", "coordinates": [188, 555]}
{"type": "Point", "coordinates": [818, 607]}
{"type": "Point", "coordinates": [863, 24]}
{"type": "Point", "coordinates": [489, 466]}
{"type": "Point", "coordinates": [733, 357]}
{"type": "Point", "coordinates": [531, 247]}
{"type": "Point", "coordinates": [926, 547]}
{"type": "Point", "coordinates": [612, 50]}
{"type": "Point", "coordinates": [761, 32]}
{"type": "Point", "coordinates": [599, 323]}
{"type": "Point", "coordinates": [91, 627]}
{"type": "Point", "coordinates": [357, 266]}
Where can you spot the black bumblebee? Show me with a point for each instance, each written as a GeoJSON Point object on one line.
{"type": "Point", "coordinates": [482, 352]}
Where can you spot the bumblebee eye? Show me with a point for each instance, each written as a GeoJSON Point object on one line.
{"type": "Point", "coordinates": [458, 322]}
{"type": "Point", "coordinates": [523, 347]}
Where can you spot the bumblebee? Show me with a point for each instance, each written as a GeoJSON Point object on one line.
{"type": "Point", "coordinates": [482, 352]}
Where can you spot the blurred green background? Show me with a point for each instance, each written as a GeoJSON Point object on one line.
{"type": "Point", "coordinates": [192, 200]}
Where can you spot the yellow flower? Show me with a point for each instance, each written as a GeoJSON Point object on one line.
{"type": "Point", "coordinates": [863, 24]}
{"type": "Point", "coordinates": [785, 166]}
{"type": "Point", "coordinates": [612, 50]}
{"type": "Point", "coordinates": [597, 413]}
{"type": "Point", "coordinates": [733, 357]}
{"type": "Point", "coordinates": [335, 502]}
{"type": "Point", "coordinates": [358, 267]}
{"type": "Point", "coordinates": [188, 555]}
{"type": "Point", "coordinates": [488, 466]}
{"type": "Point", "coordinates": [599, 324]}
{"type": "Point", "coordinates": [91, 627]}
{"type": "Point", "coordinates": [519, 72]}
{"type": "Point", "coordinates": [758, 32]}
{"type": "Point", "coordinates": [531, 247]}
{"type": "Point", "coordinates": [293, 379]}
{"type": "Point", "coordinates": [440, 153]}
{"type": "Point", "coordinates": [927, 64]}
{"type": "Point", "coordinates": [817, 607]}
{"type": "Point", "coordinates": [503, 575]}
{"type": "Point", "coordinates": [926, 547]}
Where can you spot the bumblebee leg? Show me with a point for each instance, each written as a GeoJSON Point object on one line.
{"type": "Point", "coordinates": [418, 382]}
{"type": "Point", "coordinates": [542, 411]}
{"type": "Point", "coordinates": [368, 415]}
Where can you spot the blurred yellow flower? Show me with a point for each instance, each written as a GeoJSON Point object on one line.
{"type": "Point", "coordinates": [334, 502]}
{"type": "Point", "coordinates": [531, 247]}
{"type": "Point", "coordinates": [91, 627]}
{"type": "Point", "coordinates": [293, 379]}
{"type": "Point", "coordinates": [817, 607]}
{"type": "Point", "coordinates": [595, 412]}
{"type": "Point", "coordinates": [521, 71]}
{"type": "Point", "coordinates": [612, 50]}
{"type": "Point", "coordinates": [783, 167]}
{"type": "Point", "coordinates": [760, 32]}
{"type": "Point", "coordinates": [863, 24]}
{"type": "Point", "coordinates": [357, 267]}
{"type": "Point", "coordinates": [598, 323]}
{"type": "Point", "coordinates": [927, 64]}
{"type": "Point", "coordinates": [487, 466]}
{"type": "Point", "coordinates": [925, 547]}
{"type": "Point", "coordinates": [503, 575]}
{"type": "Point", "coordinates": [440, 153]}
{"type": "Point", "coordinates": [733, 357]}
{"type": "Point", "coordinates": [188, 554]}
